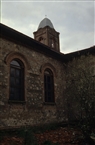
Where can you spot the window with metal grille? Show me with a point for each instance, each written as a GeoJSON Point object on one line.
{"type": "Point", "coordinates": [48, 86]}
{"type": "Point", "coordinates": [16, 81]}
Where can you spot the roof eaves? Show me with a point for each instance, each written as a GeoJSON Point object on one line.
{"type": "Point", "coordinates": [70, 56]}
{"type": "Point", "coordinates": [22, 39]}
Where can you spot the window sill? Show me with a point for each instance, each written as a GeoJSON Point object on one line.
{"type": "Point", "coordinates": [16, 102]}
{"type": "Point", "coordinates": [49, 103]}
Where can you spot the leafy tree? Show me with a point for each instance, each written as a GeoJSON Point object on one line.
{"type": "Point", "coordinates": [80, 92]}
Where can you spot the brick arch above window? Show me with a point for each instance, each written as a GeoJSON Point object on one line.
{"type": "Point", "coordinates": [40, 39]}
{"type": "Point", "coordinates": [48, 66]}
{"type": "Point", "coordinates": [17, 55]}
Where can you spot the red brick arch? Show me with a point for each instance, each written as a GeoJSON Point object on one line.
{"type": "Point", "coordinates": [17, 55]}
{"type": "Point", "coordinates": [50, 66]}
{"type": "Point", "coordinates": [42, 70]}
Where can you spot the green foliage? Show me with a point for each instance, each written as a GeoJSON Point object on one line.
{"type": "Point", "coordinates": [29, 138]}
{"type": "Point", "coordinates": [24, 132]}
{"type": "Point", "coordinates": [80, 92]}
{"type": "Point", "coordinates": [28, 132]}
{"type": "Point", "coordinates": [44, 127]}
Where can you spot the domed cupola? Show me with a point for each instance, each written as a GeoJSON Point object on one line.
{"type": "Point", "coordinates": [45, 22]}
{"type": "Point", "coordinates": [47, 35]}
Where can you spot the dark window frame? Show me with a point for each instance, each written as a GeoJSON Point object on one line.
{"type": "Point", "coordinates": [48, 86]}
{"type": "Point", "coordinates": [16, 84]}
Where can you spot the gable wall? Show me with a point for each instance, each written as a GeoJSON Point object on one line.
{"type": "Point", "coordinates": [33, 110]}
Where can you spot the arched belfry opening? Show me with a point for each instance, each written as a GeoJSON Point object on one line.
{"type": "Point", "coordinates": [47, 35]}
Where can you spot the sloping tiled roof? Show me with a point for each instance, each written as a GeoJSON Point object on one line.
{"type": "Point", "coordinates": [17, 37]}
{"type": "Point", "coordinates": [70, 56]}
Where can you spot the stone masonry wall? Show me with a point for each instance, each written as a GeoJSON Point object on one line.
{"type": "Point", "coordinates": [33, 111]}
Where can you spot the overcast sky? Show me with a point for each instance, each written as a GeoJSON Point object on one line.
{"type": "Point", "coordinates": [74, 20]}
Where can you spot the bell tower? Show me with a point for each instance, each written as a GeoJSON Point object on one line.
{"type": "Point", "coordinates": [47, 35]}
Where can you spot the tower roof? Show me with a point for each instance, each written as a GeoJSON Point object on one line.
{"type": "Point", "coordinates": [45, 22]}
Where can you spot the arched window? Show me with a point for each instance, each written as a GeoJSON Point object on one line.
{"type": "Point", "coordinates": [16, 81]}
{"type": "Point", "coordinates": [41, 39]}
{"type": "Point", "coordinates": [48, 86]}
{"type": "Point", "coordinates": [52, 43]}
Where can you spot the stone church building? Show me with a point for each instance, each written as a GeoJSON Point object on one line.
{"type": "Point", "coordinates": [33, 76]}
